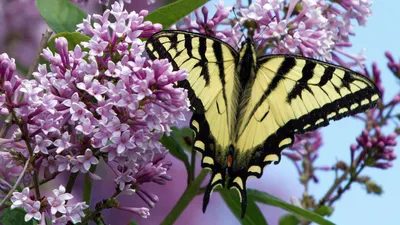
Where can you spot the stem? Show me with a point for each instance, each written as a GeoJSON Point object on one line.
{"type": "Point", "coordinates": [339, 181]}
{"type": "Point", "coordinates": [27, 140]}
{"type": "Point", "coordinates": [192, 165]}
{"type": "Point", "coordinates": [21, 175]}
{"type": "Point", "coordinates": [347, 186]}
{"type": "Point", "coordinates": [100, 206]}
{"type": "Point", "coordinates": [187, 196]}
{"type": "Point", "coordinates": [54, 175]}
{"type": "Point", "coordinates": [6, 126]}
{"type": "Point", "coordinates": [87, 186]}
{"type": "Point", "coordinates": [71, 182]}
{"type": "Point", "coordinates": [332, 189]}
{"type": "Point", "coordinates": [43, 43]}
{"type": "Point", "coordinates": [387, 116]}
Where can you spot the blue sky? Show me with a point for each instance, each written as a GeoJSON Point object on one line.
{"type": "Point", "coordinates": [355, 206]}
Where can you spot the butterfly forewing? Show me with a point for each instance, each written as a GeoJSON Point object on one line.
{"type": "Point", "coordinates": [293, 95]}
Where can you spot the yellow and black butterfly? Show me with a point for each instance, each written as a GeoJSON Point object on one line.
{"type": "Point", "coordinates": [247, 109]}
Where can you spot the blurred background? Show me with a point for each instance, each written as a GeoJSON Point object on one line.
{"type": "Point", "coordinates": [21, 28]}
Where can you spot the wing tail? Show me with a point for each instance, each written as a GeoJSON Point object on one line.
{"type": "Point", "coordinates": [217, 178]}
{"type": "Point", "coordinates": [240, 185]}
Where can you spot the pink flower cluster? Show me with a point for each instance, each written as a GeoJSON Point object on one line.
{"type": "Point", "coordinates": [205, 24]}
{"type": "Point", "coordinates": [108, 102]}
{"type": "Point", "coordinates": [312, 28]}
{"type": "Point", "coordinates": [306, 145]}
{"type": "Point", "coordinates": [49, 206]}
{"type": "Point", "coordinates": [106, 2]}
{"type": "Point", "coordinates": [376, 148]}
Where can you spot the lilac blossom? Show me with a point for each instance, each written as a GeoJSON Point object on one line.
{"type": "Point", "coordinates": [33, 211]}
{"type": "Point", "coordinates": [205, 24]}
{"type": "Point", "coordinates": [319, 29]}
{"type": "Point", "coordinates": [57, 204]}
{"type": "Point", "coordinates": [107, 2]}
{"type": "Point", "coordinates": [107, 100]}
{"type": "Point", "coordinates": [376, 148]}
{"type": "Point", "coordinates": [20, 199]}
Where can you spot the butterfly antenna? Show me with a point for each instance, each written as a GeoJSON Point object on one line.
{"type": "Point", "coordinates": [240, 25]}
{"type": "Point", "coordinates": [259, 35]}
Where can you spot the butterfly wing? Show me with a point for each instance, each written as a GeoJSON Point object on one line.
{"type": "Point", "coordinates": [291, 95]}
{"type": "Point", "coordinates": [212, 90]}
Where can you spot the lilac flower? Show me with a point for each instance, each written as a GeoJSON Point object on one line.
{"type": "Point", "coordinates": [143, 212]}
{"type": "Point", "coordinates": [62, 143]}
{"type": "Point", "coordinates": [125, 178]}
{"type": "Point", "coordinates": [393, 65]}
{"type": "Point", "coordinates": [20, 199]}
{"type": "Point", "coordinates": [305, 148]}
{"type": "Point", "coordinates": [109, 98]}
{"type": "Point", "coordinates": [78, 111]}
{"type": "Point", "coordinates": [75, 212]}
{"type": "Point", "coordinates": [58, 203]}
{"type": "Point", "coordinates": [50, 163]}
{"type": "Point", "coordinates": [208, 25]}
{"type": "Point", "coordinates": [86, 127]}
{"type": "Point", "coordinates": [376, 150]}
{"type": "Point", "coordinates": [122, 141]}
{"type": "Point", "coordinates": [63, 163]}
{"type": "Point", "coordinates": [88, 159]}
{"type": "Point", "coordinates": [33, 211]}
{"type": "Point", "coordinates": [319, 29]}
{"type": "Point", "coordinates": [41, 145]}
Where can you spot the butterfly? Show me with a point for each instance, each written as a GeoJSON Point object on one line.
{"type": "Point", "coordinates": [247, 109]}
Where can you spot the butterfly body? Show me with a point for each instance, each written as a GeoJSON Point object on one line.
{"type": "Point", "coordinates": [247, 109]}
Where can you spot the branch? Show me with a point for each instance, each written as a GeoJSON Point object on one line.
{"type": "Point", "coordinates": [16, 183]}
{"type": "Point", "coordinates": [187, 196]}
{"type": "Point", "coordinates": [43, 43]}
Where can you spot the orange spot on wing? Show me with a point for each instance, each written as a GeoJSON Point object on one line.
{"type": "Point", "coordinates": [230, 159]}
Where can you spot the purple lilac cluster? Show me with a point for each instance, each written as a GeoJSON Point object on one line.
{"type": "Point", "coordinates": [205, 24]}
{"type": "Point", "coordinates": [304, 152]}
{"type": "Point", "coordinates": [376, 148]}
{"type": "Point", "coordinates": [312, 28]}
{"type": "Point", "coordinates": [305, 144]}
{"type": "Point", "coordinates": [393, 65]}
{"type": "Point", "coordinates": [108, 102]}
{"type": "Point", "coordinates": [57, 204]}
{"type": "Point", "coordinates": [106, 2]}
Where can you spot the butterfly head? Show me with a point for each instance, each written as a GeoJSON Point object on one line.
{"type": "Point", "coordinates": [248, 53]}
{"type": "Point", "coordinates": [248, 42]}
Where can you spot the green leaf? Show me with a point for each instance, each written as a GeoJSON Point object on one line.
{"type": "Point", "coordinates": [15, 216]}
{"type": "Point", "coordinates": [132, 223]}
{"type": "Point", "coordinates": [324, 210]}
{"type": "Point", "coordinates": [253, 214]}
{"type": "Point", "coordinates": [289, 219]}
{"type": "Point", "coordinates": [172, 143]}
{"type": "Point", "coordinates": [186, 137]}
{"type": "Point", "coordinates": [60, 15]}
{"type": "Point", "coordinates": [172, 13]}
{"type": "Point", "coordinates": [274, 201]}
